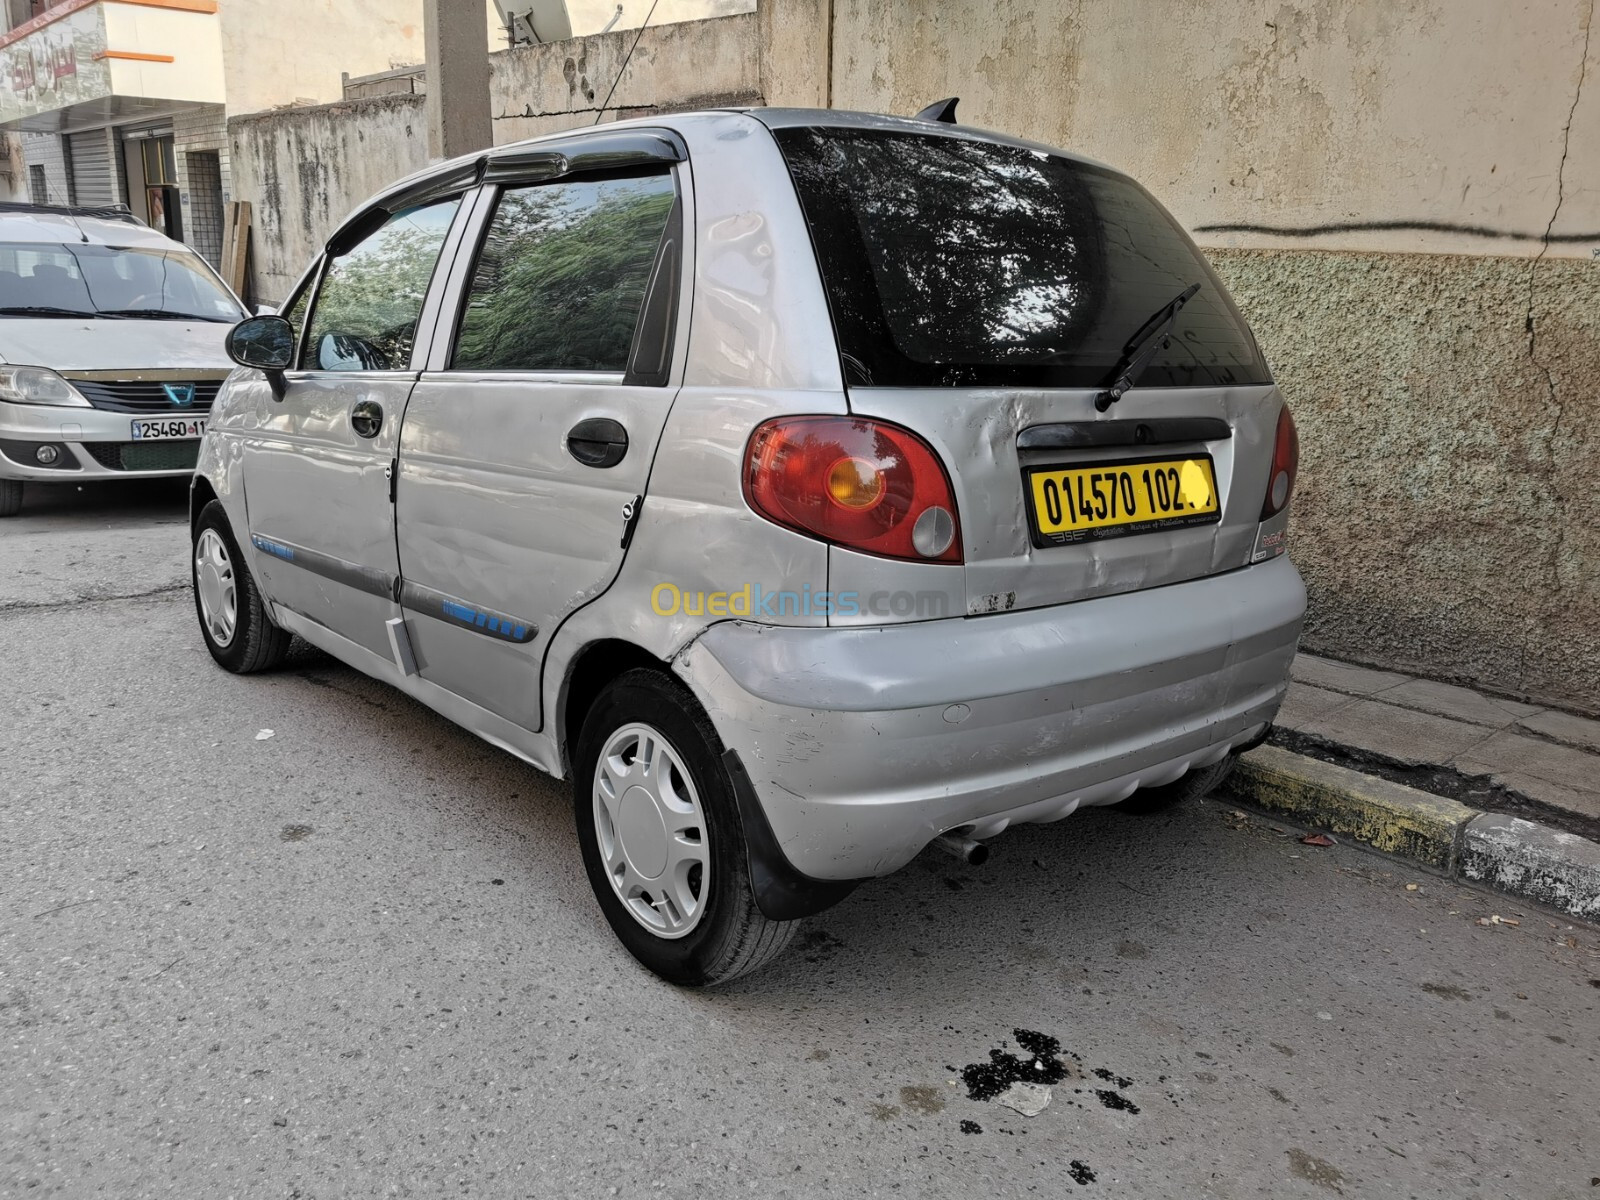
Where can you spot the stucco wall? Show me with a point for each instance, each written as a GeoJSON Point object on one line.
{"type": "Point", "coordinates": [1443, 115]}
{"type": "Point", "coordinates": [303, 169]}
{"type": "Point", "coordinates": [1446, 519]}
{"type": "Point", "coordinates": [293, 51]}
{"type": "Point", "coordinates": [691, 64]}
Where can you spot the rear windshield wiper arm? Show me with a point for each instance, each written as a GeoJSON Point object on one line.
{"type": "Point", "coordinates": [1153, 336]}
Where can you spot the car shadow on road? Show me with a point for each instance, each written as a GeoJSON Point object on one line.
{"type": "Point", "coordinates": [1101, 893]}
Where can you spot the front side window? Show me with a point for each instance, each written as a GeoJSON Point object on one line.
{"type": "Point", "coordinates": [46, 279]}
{"type": "Point", "coordinates": [366, 313]}
{"type": "Point", "coordinates": [561, 277]}
{"type": "Point", "coordinates": [950, 261]}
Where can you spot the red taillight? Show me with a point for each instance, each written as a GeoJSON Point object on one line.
{"type": "Point", "coordinates": [864, 484]}
{"type": "Point", "coordinates": [1285, 465]}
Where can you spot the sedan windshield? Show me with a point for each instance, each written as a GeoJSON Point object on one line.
{"type": "Point", "coordinates": [153, 283]}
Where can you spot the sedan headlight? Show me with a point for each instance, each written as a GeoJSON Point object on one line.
{"type": "Point", "coordinates": [35, 385]}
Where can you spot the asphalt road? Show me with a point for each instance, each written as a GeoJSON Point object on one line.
{"type": "Point", "coordinates": [359, 958]}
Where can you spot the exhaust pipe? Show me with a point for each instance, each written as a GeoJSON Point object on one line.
{"type": "Point", "coordinates": [974, 854]}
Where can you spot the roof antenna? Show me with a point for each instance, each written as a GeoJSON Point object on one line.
{"type": "Point", "coordinates": [626, 60]}
{"type": "Point", "coordinates": [943, 111]}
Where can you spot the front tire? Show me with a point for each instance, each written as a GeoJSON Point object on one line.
{"type": "Point", "coordinates": [1191, 785]}
{"type": "Point", "coordinates": [233, 618]}
{"type": "Point", "coordinates": [661, 838]}
{"type": "Point", "coordinates": [10, 497]}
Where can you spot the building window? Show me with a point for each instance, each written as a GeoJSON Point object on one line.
{"type": "Point", "coordinates": [38, 186]}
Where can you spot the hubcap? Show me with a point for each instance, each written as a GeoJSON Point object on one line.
{"type": "Point", "coordinates": [652, 831]}
{"type": "Point", "coordinates": [214, 583]}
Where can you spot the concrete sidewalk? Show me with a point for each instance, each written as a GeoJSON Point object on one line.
{"type": "Point", "coordinates": [1476, 787]}
{"type": "Point", "coordinates": [1549, 756]}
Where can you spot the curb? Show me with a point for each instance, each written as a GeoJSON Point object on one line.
{"type": "Point", "coordinates": [1509, 854]}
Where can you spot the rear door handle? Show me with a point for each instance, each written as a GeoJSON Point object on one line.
{"type": "Point", "coordinates": [598, 442]}
{"type": "Point", "coordinates": [366, 418]}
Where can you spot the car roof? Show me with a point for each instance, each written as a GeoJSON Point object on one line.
{"type": "Point", "coordinates": [465, 168]}
{"type": "Point", "coordinates": [67, 226]}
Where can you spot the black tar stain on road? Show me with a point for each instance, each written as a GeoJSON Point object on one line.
{"type": "Point", "coordinates": [1044, 1064]}
{"type": "Point", "coordinates": [987, 1080]}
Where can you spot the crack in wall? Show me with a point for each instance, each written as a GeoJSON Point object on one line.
{"type": "Point", "coordinates": [1559, 546]}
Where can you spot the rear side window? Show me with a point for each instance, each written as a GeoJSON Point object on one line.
{"type": "Point", "coordinates": [561, 277]}
{"type": "Point", "coordinates": [955, 262]}
{"type": "Point", "coordinates": [365, 318]}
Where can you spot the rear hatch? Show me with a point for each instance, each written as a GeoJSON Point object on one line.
{"type": "Point", "coordinates": [984, 294]}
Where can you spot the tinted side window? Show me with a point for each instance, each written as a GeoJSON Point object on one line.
{"type": "Point", "coordinates": [561, 276]}
{"type": "Point", "coordinates": [367, 310]}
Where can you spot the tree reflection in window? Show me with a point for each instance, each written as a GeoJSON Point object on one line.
{"type": "Point", "coordinates": [372, 295]}
{"type": "Point", "coordinates": [561, 276]}
{"type": "Point", "coordinates": [954, 261]}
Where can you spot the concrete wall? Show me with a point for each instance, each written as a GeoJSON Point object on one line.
{"type": "Point", "coordinates": [1405, 198]}
{"type": "Point", "coordinates": [1447, 116]}
{"type": "Point", "coordinates": [1446, 519]}
{"type": "Point", "coordinates": [293, 51]}
{"type": "Point", "coordinates": [691, 64]}
{"type": "Point", "coordinates": [304, 169]}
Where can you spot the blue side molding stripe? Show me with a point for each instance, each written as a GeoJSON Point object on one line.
{"type": "Point", "coordinates": [445, 607]}
{"type": "Point", "coordinates": [414, 596]}
{"type": "Point", "coordinates": [354, 575]}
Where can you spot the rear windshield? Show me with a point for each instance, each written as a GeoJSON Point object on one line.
{"type": "Point", "coordinates": [951, 262]}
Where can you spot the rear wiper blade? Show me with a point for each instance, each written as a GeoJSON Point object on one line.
{"type": "Point", "coordinates": [1153, 336]}
{"type": "Point", "coordinates": [158, 314]}
{"type": "Point", "coordinates": [41, 310]}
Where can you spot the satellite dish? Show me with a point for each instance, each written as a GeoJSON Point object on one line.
{"type": "Point", "coordinates": [531, 21]}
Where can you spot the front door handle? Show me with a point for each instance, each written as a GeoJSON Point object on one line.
{"type": "Point", "coordinates": [598, 442]}
{"type": "Point", "coordinates": [366, 418]}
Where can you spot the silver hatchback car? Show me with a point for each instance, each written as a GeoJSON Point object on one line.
{"type": "Point", "coordinates": [805, 486]}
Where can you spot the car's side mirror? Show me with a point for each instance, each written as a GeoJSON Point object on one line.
{"type": "Point", "coordinates": [266, 344]}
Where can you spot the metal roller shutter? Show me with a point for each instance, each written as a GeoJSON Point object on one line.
{"type": "Point", "coordinates": [92, 180]}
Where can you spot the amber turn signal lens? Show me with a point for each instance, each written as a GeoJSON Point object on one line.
{"type": "Point", "coordinates": [856, 484]}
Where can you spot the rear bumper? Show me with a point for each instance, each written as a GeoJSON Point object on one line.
{"type": "Point", "coordinates": [87, 442]}
{"type": "Point", "coordinates": [863, 744]}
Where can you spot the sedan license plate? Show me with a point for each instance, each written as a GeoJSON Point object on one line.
{"type": "Point", "coordinates": [168, 429]}
{"type": "Point", "coordinates": [1106, 500]}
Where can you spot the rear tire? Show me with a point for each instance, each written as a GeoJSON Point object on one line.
{"type": "Point", "coordinates": [1191, 785]}
{"type": "Point", "coordinates": [661, 838]}
{"type": "Point", "coordinates": [233, 617]}
{"type": "Point", "coordinates": [10, 497]}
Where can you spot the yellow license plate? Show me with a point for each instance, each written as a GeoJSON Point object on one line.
{"type": "Point", "coordinates": [1073, 504]}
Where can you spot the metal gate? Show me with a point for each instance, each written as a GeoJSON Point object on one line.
{"type": "Point", "coordinates": [93, 173]}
